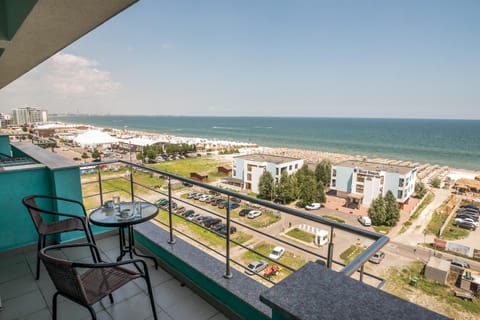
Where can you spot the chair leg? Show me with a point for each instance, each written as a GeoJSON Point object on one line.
{"type": "Point", "coordinates": [54, 306]}
{"type": "Point", "coordinates": [92, 312]}
{"type": "Point", "coordinates": [39, 247]}
{"type": "Point", "coordinates": [110, 296]}
{"type": "Point", "coordinates": [150, 293]}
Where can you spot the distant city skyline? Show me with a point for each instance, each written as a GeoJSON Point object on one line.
{"type": "Point", "coordinates": [369, 59]}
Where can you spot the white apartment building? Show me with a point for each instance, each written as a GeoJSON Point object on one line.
{"type": "Point", "coordinates": [28, 115]}
{"type": "Point", "coordinates": [360, 182]}
{"type": "Point", "coordinates": [5, 120]}
{"type": "Point", "coordinates": [249, 168]}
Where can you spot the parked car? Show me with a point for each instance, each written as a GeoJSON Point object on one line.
{"type": "Point", "coordinates": [76, 158]}
{"type": "Point", "coordinates": [366, 221]}
{"type": "Point", "coordinates": [179, 210]}
{"type": "Point", "coordinates": [193, 216]}
{"type": "Point", "coordinates": [475, 222]}
{"type": "Point", "coordinates": [204, 198]}
{"type": "Point", "coordinates": [198, 196]}
{"type": "Point", "coordinates": [471, 206]}
{"type": "Point", "coordinates": [233, 205]}
{"type": "Point", "coordinates": [458, 264]}
{"type": "Point", "coordinates": [254, 214]}
{"type": "Point", "coordinates": [237, 200]}
{"type": "Point", "coordinates": [256, 267]}
{"type": "Point", "coordinates": [221, 204]}
{"type": "Point", "coordinates": [243, 212]}
{"type": "Point", "coordinates": [465, 225]}
{"type": "Point", "coordinates": [199, 219]}
{"type": "Point", "coordinates": [313, 206]}
{"type": "Point", "coordinates": [188, 213]}
{"type": "Point", "coordinates": [210, 221]}
{"type": "Point", "coordinates": [223, 231]}
{"type": "Point", "coordinates": [468, 214]}
{"type": "Point", "coordinates": [190, 195]}
{"type": "Point", "coordinates": [276, 253]}
{"type": "Point", "coordinates": [377, 257]}
{"type": "Point", "coordinates": [160, 202]}
{"type": "Point", "coordinates": [217, 227]}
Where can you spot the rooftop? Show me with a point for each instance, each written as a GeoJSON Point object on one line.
{"type": "Point", "coordinates": [375, 166]}
{"type": "Point", "coordinates": [258, 157]}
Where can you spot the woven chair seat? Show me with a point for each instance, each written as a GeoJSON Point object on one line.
{"type": "Point", "coordinates": [69, 224]}
{"type": "Point", "coordinates": [98, 283]}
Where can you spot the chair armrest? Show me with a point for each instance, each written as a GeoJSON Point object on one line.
{"type": "Point", "coordinates": [61, 199]}
{"type": "Point", "coordinates": [112, 264]}
{"type": "Point", "coordinates": [75, 245]}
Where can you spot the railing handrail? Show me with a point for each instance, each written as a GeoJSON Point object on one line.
{"type": "Point", "coordinates": [379, 239]}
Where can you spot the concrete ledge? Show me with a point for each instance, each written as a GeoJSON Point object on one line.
{"type": "Point", "coordinates": [315, 292]}
{"type": "Point", "coordinates": [239, 297]}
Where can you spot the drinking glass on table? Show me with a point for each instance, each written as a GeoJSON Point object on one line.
{"type": "Point", "coordinates": [116, 202]}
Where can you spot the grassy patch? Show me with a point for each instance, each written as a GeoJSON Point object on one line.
{"type": "Point", "coordinates": [267, 218]}
{"type": "Point", "coordinates": [398, 283]}
{"type": "Point", "coordinates": [288, 258]}
{"type": "Point", "coordinates": [426, 201]}
{"type": "Point", "coordinates": [437, 221]}
{"type": "Point", "coordinates": [333, 218]}
{"type": "Point", "coordinates": [301, 235]}
{"type": "Point", "coordinates": [184, 167]}
{"type": "Point", "coordinates": [382, 229]}
{"type": "Point", "coordinates": [351, 253]}
{"type": "Point", "coordinates": [452, 232]}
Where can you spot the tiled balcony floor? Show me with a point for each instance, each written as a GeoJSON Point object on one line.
{"type": "Point", "coordinates": [25, 298]}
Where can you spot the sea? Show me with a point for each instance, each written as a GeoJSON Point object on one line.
{"type": "Point", "coordinates": [453, 143]}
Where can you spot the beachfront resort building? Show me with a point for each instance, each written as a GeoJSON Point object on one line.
{"type": "Point", "coordinates": [360, 182]}
{"type": "Point", "coordinates": [29, 115]}
{"type": "Point", "coordinates": [249, 168]}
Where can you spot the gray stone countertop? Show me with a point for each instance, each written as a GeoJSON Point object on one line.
{"type": "Point", "coordinates": [315, 292]}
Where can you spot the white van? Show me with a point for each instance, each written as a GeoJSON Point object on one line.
{"type": "Point", "coordinates": [365, 221]}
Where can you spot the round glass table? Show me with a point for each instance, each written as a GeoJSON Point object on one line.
{"type": "Point", "coordinates": [124, 217]}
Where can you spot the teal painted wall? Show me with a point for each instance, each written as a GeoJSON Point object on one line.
{"type": "Point", "coordinates": [4, 145]}
{"type": "Point", "coordinates": [17, 228]}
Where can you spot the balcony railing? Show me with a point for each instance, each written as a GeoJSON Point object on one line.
{"type": "Point", "coordinates": [140, 183]}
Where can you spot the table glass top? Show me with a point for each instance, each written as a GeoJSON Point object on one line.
{"type": "Point", "coordinates": [129, 213]}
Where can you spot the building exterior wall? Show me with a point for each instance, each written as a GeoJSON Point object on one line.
{"type": "Point", "coordinates": [250, 171]}
{"type": "Point", "coordinates": [372, 183]}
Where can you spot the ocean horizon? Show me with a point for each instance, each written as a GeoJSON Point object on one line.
{"type": "Point", "coordinates": [453, 143]}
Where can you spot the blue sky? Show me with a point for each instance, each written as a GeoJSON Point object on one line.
{"type": "Point", "coordinates": [398, 59]}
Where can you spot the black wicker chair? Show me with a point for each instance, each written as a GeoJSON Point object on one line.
{"type": "Point", "coordinates": [93, 281]}
{"type": "Point", "coordinates": [71, 223]}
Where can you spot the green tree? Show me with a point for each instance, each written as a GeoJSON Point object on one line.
{"type": "Point", "coordinates": [320, 193]}
{"type": "Point", "coordinates": [85, 156]}
{"type": "Point", "coordinates": [377, 212]}
{"type": "Point", "coordinates": [95, 154]}
{"type": "Point", "coordinates": [307, 191]}
{"type": "Point", "coordinates": [392, 209]}
{"type": "Point", "coordinates": [420, 190]}
{"type": "Point", "coordinates": [139, 156]}
{"type": "Point", "coordinates": [323, 172]}
{"type": "Point", "coordinates": [24, 128]}
{"type": "Point", "coordinates": [266, 186]}
{"type": "Point", "coordinates": [285, 189]}
{"type": "Point", "coordinates": [435, 182]}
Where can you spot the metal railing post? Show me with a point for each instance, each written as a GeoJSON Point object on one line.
{"type": "Point", "coordinates": [330, 249]}
{"type": "Point", "coordinates": [361, 272]}
{"type": "Point", "coordinates": [228, 274]}
{"type": "Point", "coordinates": [100, 186]}
{"type": "Point", "coordinates": [170, 220]}
{"type": "Point", "coordinates": [131, 184]}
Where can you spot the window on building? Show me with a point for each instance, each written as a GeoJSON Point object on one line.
{"type": "Point", "coordinates": [360, 178]}
{"type": "Point", "coordinates": [234, 172]}
{"type": "Point", "coordinates": [334, 182]}
{"type": "Point", "coordinates": [249, 176]}
{"type": "Point", "coordinates": [276, 171]}
{"type": "Point", "coordinates": [400, 194]}
{"type": "Point", "coordinates": [401, 181]}
{"type": "Point", "coordinates": [296, 165]}
{"type": "Point", "coordinates": [249, 168]}
{"type": "Point", "coordinates": [359, 189]}
{"type": "Point", "coordinates": [334, 172]}
{"type": "Point", "coordinates": [290, 168]}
